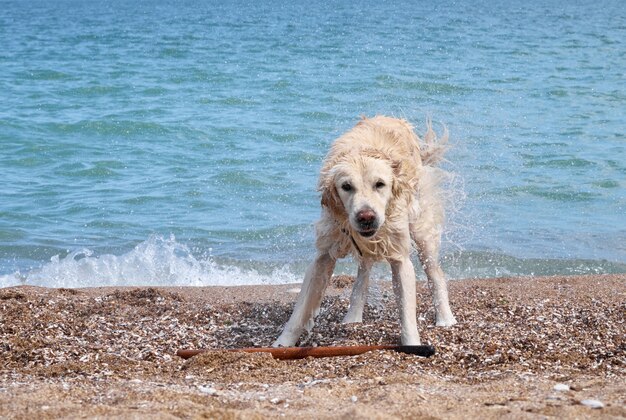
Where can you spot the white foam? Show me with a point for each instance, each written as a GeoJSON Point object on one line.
{"type": "Point", "coordinates": [158, 261]}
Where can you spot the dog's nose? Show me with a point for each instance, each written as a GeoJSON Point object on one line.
{"type": "Point", "coordinates": [366, 217]}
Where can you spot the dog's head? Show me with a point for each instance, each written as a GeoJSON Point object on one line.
{"type": "Point", "coordinates": [362, 188]}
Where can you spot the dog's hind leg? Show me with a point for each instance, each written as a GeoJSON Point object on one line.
{"type": "Point", "coordinates": [315, 282]}
{"type": "Point", "coordinates": [428, 251]}
{"type": "Point", "coordinates": [403, 278]}
{"type": "Point", "coordinates": [358, 298]}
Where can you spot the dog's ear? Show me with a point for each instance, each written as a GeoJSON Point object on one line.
{"type": "Point", "coordinates": [398, 176]}
{"type": "Point", "coordinates": [403, 180]}
{"type": "Point", "coordinates": [330, 197]}
{"type": "Point", "coordinates": [396, 165]}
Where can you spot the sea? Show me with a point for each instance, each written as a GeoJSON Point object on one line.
{"type": "Point", "coordinates": [178, 143]}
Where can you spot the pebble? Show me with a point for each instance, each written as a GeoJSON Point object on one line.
{"type": "Point", "coordinates": [561, 387]}
{"type": "Point", "coordinates": [354, 398]}
{"type": "Point", "coordinates": [592, 403]}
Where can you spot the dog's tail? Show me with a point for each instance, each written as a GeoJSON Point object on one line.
{"type": "Point", "coordinates": [432, 148]}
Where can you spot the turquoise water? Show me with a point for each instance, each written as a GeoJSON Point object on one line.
{"type": "Point", "coordinates": [154, 142]}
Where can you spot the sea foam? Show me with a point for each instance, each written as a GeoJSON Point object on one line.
{"type": "Point", "coordinates": [158, 261]}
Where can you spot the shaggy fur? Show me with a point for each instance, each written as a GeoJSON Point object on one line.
{"type": "Point", "coordinates": [379, 189]}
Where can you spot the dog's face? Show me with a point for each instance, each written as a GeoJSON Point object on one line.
{"type": "Point", "coordinates": [364, 186]}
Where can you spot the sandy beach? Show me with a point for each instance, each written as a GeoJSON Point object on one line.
{"type": "Point", "coordinates": [523, 348]}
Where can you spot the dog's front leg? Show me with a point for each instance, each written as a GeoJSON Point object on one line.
{"type": "Point", "coordinates": [403, 278]}
{"type": "Point", "coordinates": [315, 282]}
{"type": "Point", "coordinates": [359, 293]}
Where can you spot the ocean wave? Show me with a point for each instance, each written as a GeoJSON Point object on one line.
{"type": "Point", "coordinates": [158, 261]}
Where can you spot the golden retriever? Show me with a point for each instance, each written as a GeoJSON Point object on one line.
{"type": "Point", "coordinates": [380, 193]}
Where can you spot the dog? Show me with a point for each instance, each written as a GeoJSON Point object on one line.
{"type": "Point", "coordinates": [379, 195]}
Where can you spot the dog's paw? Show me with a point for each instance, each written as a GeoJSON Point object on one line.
{"type": "Point", "coordinates": [410, 339]}
{"type": "Point", "coordinates": [279, 343]}
{"type": "Point", "coordinates": [352, 318]}
{"type": "Point", "coordinates": [446, 321]}
{"type": "Point", "coordinates": [285, 341]}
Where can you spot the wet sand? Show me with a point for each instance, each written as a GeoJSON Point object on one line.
{"type": "Point", "coordinates": [110, 352]}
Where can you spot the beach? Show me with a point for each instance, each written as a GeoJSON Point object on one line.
{"type": "Point", "coordinates": [525, 347]}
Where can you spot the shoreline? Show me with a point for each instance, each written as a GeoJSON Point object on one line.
{"type": "Point", "coordinates": [110, 351]}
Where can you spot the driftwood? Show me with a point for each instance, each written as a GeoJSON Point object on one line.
{"type": "Point", "coordinates": [289, 353]}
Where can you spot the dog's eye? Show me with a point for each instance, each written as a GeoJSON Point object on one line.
{"type": "Point", "coordinates": [346, 187]}
{"type": "Point", "coordinates": [379, 185]}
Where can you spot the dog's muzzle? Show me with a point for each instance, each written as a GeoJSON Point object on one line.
{"type": "Point", "coordinates": [367, 222]}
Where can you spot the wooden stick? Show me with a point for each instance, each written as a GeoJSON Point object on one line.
{"type": "Point", "coordinates": [290, 353]}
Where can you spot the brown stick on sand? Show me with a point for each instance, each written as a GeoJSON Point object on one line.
{"type": "Point", "coordinates": [289, 353]}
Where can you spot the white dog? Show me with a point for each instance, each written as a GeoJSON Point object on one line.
{"type": "Point", "coordinates": [379, 193]}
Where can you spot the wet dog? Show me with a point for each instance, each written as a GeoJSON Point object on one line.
{"type": "Point", "coordinates": [380, 196]}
